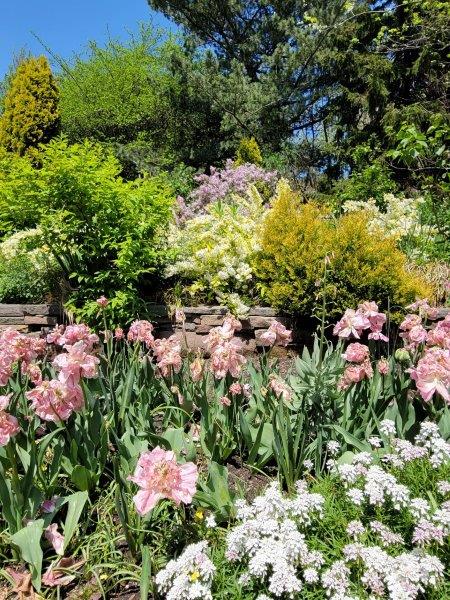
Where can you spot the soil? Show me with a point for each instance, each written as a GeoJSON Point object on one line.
{"type": "Point", "coordinates": [241, 478]}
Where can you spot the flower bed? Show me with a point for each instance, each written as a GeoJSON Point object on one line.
{"type": "Point", "coordinates": [117, 452]}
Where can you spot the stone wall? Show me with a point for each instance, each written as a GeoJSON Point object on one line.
{"type": "Point", "coordinates": [200, 319]}
{"type": "Point", "coordinates": [29, 318]}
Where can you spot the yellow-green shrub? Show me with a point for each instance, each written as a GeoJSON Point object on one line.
{"type": "Point", "coordinates": [31, 115]}
{"type": "Point", "coordinates": [248, 152]}
{"type": "Point", "coordinates": [296, 239]}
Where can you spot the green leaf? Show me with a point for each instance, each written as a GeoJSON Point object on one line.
{"type": "Point", "coordinates": [144, 585]}
{"type": "Point", "coordinates": [28, 540]}
{"type": "Point", "coordinates": [76, 504]}
{"type": "Point", "coordinates": [351, 439]}
{"type": "Point", "coordinates": [82, 478]}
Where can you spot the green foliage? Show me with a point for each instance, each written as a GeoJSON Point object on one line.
{"type": "Point", "coordinates": [28, 271]}
{"type": "Point", "coordinates": [136, 97]}
{"type": "Point", "coordinates": [373, 181]}
{"type": "Point", "coordinates": [104, 232]}
{"type": "Point", "coordinates": [248, 152]}
{"type": "Point", "coordinates": [31, 114]}
{"type": "Point", "coordinates": [298, 239]}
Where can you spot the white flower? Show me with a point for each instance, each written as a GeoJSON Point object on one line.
{"type": "Point", "coordinates": [387, 427]}
{"type": "Point", "coordinates": [210, 522]}
{"type": "Point", "coordinates": [189, 576]}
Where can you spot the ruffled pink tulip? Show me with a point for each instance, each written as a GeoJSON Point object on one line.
{"type": "Point", "coordinates": [226, 358]}
{"type": "Point", "coordinates": [168, 355]}
{"type": "Point", "coordinates": [141, 331]}
{"type": "Point", "coordinates": [196, 368]}
{"type": "Point", "coordinates": [277, 334]}
{"type": "Point", "coordinates": [356, 353]}
{"type": "Point", "coordinates": [351, 324]}
{"type": "Point", "coordinates": [76, 363]}
{"type": "Point", "coordinates": [160, 476]}
{"type": "Point", "coordinates": [102, 301]}
{"type": "Point", "coordinates": [383, 366]}
{"type": "Point", "coordinates": [55, 401]}
{"type": "Point", "coordinates": [9, 427]}
{"type": "Point", "coordinates": [432, 374]}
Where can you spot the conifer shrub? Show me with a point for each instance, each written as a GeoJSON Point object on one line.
{"type": "Point", "coordinates": [248, 152]}
{"type": "Point", "coordinates": [306, 253]}
{"type": "Point", "coordinates": [31, 115]}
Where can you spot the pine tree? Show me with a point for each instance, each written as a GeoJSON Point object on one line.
{"type": "Point", "coordinates": [31, 114]}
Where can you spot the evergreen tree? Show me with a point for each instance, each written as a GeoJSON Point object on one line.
{"type": "Point", "coordinates": [30, 116]}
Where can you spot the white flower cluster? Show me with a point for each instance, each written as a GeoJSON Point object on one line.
{"type": "Point", "coordinates": [189, 576]}
{"type": "Point", "coordinates": [270, 541]}
{"type": "Point", "coordinates": [430, 439]}
{"type": "Point", "coordinates": [401, 577]}
{"type": "Point", "coordinates": [401, 217]}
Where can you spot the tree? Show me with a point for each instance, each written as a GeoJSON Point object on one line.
{"type": "Point", "coordinates": [30, 116]}
{"type": "Point", "coordinates": [137, 98]}
{"type": "Point", "coordinates": [327, 75]}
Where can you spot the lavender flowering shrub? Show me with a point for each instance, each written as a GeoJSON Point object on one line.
{"type": "Point", "coordinates": [221, 183]}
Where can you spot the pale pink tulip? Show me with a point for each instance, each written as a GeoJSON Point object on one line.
{"type": "Point", "coordinates": [383, 366]}
{"type": "Point", "coordinates": [168, 355]}
{"type": "Point", "coordinates": [196, 368]}
{"type": "Point", "coordinates": [55, 401]}
{"type": "Point", "coordinates": [277, 334]}
{"type": "Point", "coordinates": [160, 476]}
{"type": "Point", "coordinates": [351, 324]}
{"type": "Point", "coordinates": [141, 331]}
{"type": "Point", "coordinates": [356, 353]}
{"type": "Point", "coordinates": [9, 427]}
{"type": "Point", "coordinates": [76, 363]}
{"type": "Point", "coordinates": [102, 301]}
{"type": "Point", "coordinates": [432, 374]}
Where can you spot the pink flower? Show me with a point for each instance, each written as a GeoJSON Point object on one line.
{"type": "Point", "coordinates": [102, 301]}
{"type": "Point", "coordinates": [235, 389]}
{"type": "Point", "coordinates": [432, 374]}
{"type": "Point", "coordinates": [351, 324]}
{"type": "Point", "coordinates": [118, 333]}
{"type": "Point", "coordinates": [417, 334]}
{"type": "Point", "coordinates": [55, 538]}
{"type": "Point", "coordinates": [9, 427]}
{"type": "Point", "coordinates": [280, 389]}
{"type": "Point", "coordinates": [180, 317]}
{"type": "Point", "coordinates": [383, 366]}
{"type": "Point", "coordinates": [227, 357]}
{"type": "Point", "coordinates": [54, 400]}
{"type": "Point", "coordinates": [57, 574]}
{"type": "Point", "coordinates": [225, 401]}
{"type": "Point", "coordinates": [78, 333]}
{"type": "Point", "coordinates": [354, 374]}
{"type": "Point", "coordinates": [76, 363]}
{"type": "Point", "coordinates": [196, 368]}
{"type": "Point", "coordinates": [232, 324]}
{"type": "Point", "coordinates": [33, 372]}
{"type": "Point", "coordinates": [141, 331]}
{"type": "Point", "coordinates": [440, 334]}
{"type": "Point", "coordinates": [160, 476]}
{"type": "Point", "coordinates": [54, 336]}
{"type": "Point", "coordinates": [356, 353]}
{"type": "Point", "coordinates": [410, 321]}
{"type": "Point", "coordinates": [276, 334]}
{"type": "Point", "coordinates": [168, 355]}
{"type": "Point", "coordinates": [4, 401]}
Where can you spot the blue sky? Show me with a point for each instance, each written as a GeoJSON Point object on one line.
{"type": "Point", "coordinates": [65, 26]}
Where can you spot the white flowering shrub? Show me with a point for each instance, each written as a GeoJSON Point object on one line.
{"type": "Point", "coordinates": [212, 251]}
{"type": "Point", "coordinates": [28, 270]}
{"type": "Point", "coordinates": [400, 219]}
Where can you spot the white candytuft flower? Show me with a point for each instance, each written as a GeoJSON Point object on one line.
{"type": "Point", "coordinates": [189, 576]}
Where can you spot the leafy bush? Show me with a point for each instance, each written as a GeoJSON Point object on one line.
{"type": "Point", "coordinates": [30, 115]}
{"type": "Point", "coordinates": [298, 239]}
{"type": "Point", "coordinates": [28, 271]}
{"type": "Point", "coordinates": [104, 232]}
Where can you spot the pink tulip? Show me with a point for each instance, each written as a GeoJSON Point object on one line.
{"type": "Point", "coordinates": [102, 302]}
{"type": "Point", "coordinates": [54, 400]}
{"type": "Point", "coordinates": [168, 355]}
{"type": "Point", "coordinates": [432, 374]}
{"type": "Point", "coordinates": [277, 334]}
{"type": "Point", "coordinates": [141, 331]}
{"type": "Point", "coordinates": [160, 476]}
{"type": "Point", "coordinates": [356, 353]}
